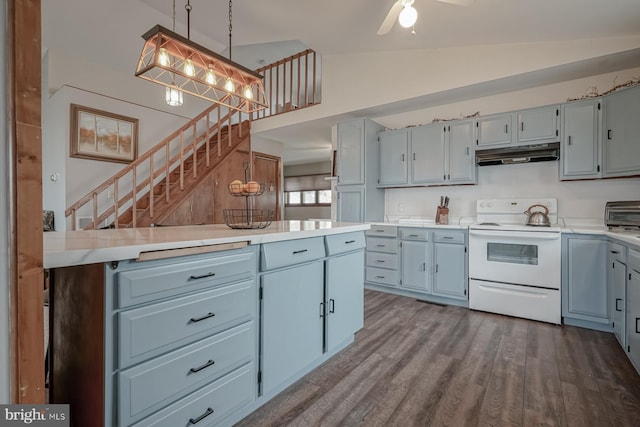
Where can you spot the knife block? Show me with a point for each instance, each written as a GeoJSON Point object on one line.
{"type": "Point", "coordinates": [442, 215]}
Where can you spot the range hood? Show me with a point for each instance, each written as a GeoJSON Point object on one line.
{"type": "Point", "coordinates": [520, 154]}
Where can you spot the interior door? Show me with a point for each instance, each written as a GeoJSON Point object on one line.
{"type": "Point", "coordinates": [266, 170]}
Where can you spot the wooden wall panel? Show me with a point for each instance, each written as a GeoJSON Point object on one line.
{"type": "Point", "coordinates": [26, 234]}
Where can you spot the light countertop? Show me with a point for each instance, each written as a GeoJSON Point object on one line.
{"type": "Point", "coordinates": [62, 249]}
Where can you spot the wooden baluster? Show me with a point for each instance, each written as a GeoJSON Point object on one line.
{"type": "Point", "coordinates": [219, 134]}
{"type": "Point", "coordinates": [291, 85]}
{"type": "Point", "coordinates": [166, 174]}
{"type": "Point", "coordinates": [134, 204]}
{"type": "Point", "coordinates": [195, 152]}
{"type": "Point", "coordinates": [298, 103]}
{"type": "Point", "coordinates": [229, 130]}
{"type": "Point", "coordinates": [208, 146]}
{"type": "Point", "coordinates": [306, 78]}
{"type": "Point", "coordinates": [182, 160]}
{"type": "Point", "coordinates": [73, 219]}
{"type": "Point", "coordinates": [115, 202]}
{"type": "Point", "coordinates": [94, 215]}
{"type": "Point", "coordinates": [151, 195]}
{"type": "Point", "coordinates": [277, 88]}
{"type": "Point", "coordinates": [314, 78]}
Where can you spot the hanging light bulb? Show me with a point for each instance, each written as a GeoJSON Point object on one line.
{"type": "Point", "coordinates": [229, 86]}
{"type": "Point", "coordinates": [210, 77]}
{"type": "Point", "coordinates": [173, 96]}
{"type": "Point", "coordinates": [408, 16]}
{"type": "Point", "coordinates": [248, 92]}
{"type": "Point", "coordinates": [163, 57]}
{"type": "Point", "coordinates": [188, 68]}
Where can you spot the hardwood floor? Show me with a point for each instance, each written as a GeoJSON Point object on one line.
{"type": "Point", "coordinates": [421, 364]}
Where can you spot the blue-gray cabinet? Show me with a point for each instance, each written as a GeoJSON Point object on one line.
{"type": "Point", "coordinates": [382, 256]}
{"type": "Point", "coordinates": [428, 148]}
{"type": "Point", "coordinates": [616, 283]}
{"type": "Point", "coordinates": [633, 308]}
{"type": "Point", "coordinates": [621, 133]}
{"type": "Point", "coordinates": [494, 131]}
{"type": "Point", "coordinates": [450, 277]}
{"type": "Point", "coordinates": [580, 154]}
{"type": "Point", "coordinates": [538, 125]}
{"type": "Point", "coordinates": [358, 197]}
{"type": "Point", "coordinates": [416, 266]}
{"type": "Point", "coordinates": [584, 278]}
{"type": "Point", "coordinates": [394, 159]}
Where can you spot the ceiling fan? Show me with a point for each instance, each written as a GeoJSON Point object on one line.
{"type": "Point", "coordinates": [405, 13]}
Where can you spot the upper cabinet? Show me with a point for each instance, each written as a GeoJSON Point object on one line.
{"type": "Point", "coordinates": [433, 154]}
{"type": "Point", "coordinates": [351, 150]}
{"type": "Point", "coordinates": [394, 149]}
{"type": "Point", "coordinates": [494, 131]}
{"type": "Point", "coordinates": [621, 136]}
{"type": "Point", "coordinates": [538, 125]}
{"type": "Point", "coordinates": [580, 140]}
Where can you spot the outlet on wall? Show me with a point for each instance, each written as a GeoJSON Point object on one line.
{"type": "Point", "coordinates": [400, 207]}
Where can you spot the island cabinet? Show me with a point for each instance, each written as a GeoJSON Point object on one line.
{"type": "Point", "coordinates": [633, 308]}
{"type": "Point", "coordinates": [312, 303]}
{"type": "Point", "coordinates": [617, 284]}
{"type": "Point", "coordinates": [584, 280]}
{"type": "Point", "coordinates": [160, 342]}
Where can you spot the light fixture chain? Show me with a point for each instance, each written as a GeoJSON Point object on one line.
{"type": "Point", "coordinates": [230, 27]}
{"type": "Point", "coordinates": [188, 8]}
{"type": "Point", "coordinates": [174, 16]}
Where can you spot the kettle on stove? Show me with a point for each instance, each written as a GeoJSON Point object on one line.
{"type": "Point", "coordinates": [537, 218]}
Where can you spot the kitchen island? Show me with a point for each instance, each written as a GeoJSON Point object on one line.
{"type": "Point", "coordinates": [196, 324]}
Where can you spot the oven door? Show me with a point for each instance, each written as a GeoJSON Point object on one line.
{"type": "Point", "coordinates": [529, 258]}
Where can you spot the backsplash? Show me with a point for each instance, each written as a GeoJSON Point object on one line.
{"type": "Point", "coordinates": [576, 199]}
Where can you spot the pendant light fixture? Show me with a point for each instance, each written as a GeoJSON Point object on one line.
{"type": "Point", "coordinates": [184, 66]}
{"type": "Point", "coordinates": [173, 96]}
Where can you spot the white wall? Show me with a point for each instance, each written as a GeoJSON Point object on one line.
{"type": "Point", "coordinates": [5, 365]}
{"type": "Point", "coordinates": [576, 199]}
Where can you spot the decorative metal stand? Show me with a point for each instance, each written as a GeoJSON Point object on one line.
{"type": "Point", "coordinates": [247, 218]}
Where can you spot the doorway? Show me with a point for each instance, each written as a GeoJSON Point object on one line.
{"type": "Point", "coordinates": [266, 169]}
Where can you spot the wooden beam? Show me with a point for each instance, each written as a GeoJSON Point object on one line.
{"type": "Point", "coordinates": [27, 332]}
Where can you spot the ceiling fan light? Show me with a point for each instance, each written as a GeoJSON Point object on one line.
{"type": "Point", "coordinates": [408, 16]}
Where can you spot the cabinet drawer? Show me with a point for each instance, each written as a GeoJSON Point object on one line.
{"type": "Point", "coordinates": [383, 230]}
{"type": "Point", "coordinates": [211, 404]}
{"type": "Point", "coordinates": [148, 331]}
{"type": "Point", "coordinates": [380, 275]}
{"type": "Point", "coordinates": [150, 386]}
{"type": "Point", "coordinates": [339, 243]}
{"type": "Point", "coordinates": [148, 284]}
{"type": "Point", "coordinates": [382, 260]}
{"type": "Point", "coordinates": [617, 251]}
{"type": "Point", "coordinates": [382, 244]}
{"type": "Point", "coordinates": [449, 237]}
{"type": "Point", "coordinates": [414, 234]}
{"type": "Point", "coordinates": [290, 252]}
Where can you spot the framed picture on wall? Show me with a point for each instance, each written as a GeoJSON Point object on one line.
{"type": "Point", "coordinates": [100, 135]}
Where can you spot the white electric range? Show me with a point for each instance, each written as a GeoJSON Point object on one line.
{"type": "Point", "coordinates": [514, 269]}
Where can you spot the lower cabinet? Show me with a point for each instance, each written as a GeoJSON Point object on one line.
{"type": "Point", "coordinates": [292, 322]}
{"type": "Point", "coordinates": [617, 285]}
{"type": "Point", "coordinates": [382, 256]}
{"type": "Point", "coordinates": [416, 266]}
{"type": "Point", "coordinates": [584, 281]}
{"type": "Point", "coordinates": [451, 270]}
{"type": "Point", "coordinates": [633, 308]}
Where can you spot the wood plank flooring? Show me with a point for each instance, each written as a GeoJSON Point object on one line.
{"type": "Point", "coordinates": [422, 364]}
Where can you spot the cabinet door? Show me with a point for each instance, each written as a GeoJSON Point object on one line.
{"type": "Point", "coordinates": [416, 266]}
{"type": "Point", "coordinates": [292, 322]}
{"type": "Point", "coordinates": [538, 125]}
{"type": "Point", "coordinates": [428, 154]}
{"type": "Point", "coordinates": [350, 204]}
{"type": "Point", "coordinates": [393, 148]}
{"type": "Point", "coordinates": [587, 280]}
{"type": "Point", "coordinates": [345, 297]}
{"type": "Point", "coordinates": [633, 316]}
{"type": "Point", "coordinates": [450, 279]}
{"type": "Point", "coordinates": [619, 301]}
{"type": "Point", "coordinates": [462, 165]}
{"type": "Point", "coordinates": [580, 140]}
{"type": "Point", "coordinates": [494, 130]}
{"type": "Point", "coordinates": [351, 152]}
{"type": "Point", "coordinates": [621, 143]}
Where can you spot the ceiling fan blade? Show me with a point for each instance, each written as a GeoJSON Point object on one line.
{"type": "Point", "coordinates": [457, 2]}
{"type": "Point", "coordinates": [391, 18]}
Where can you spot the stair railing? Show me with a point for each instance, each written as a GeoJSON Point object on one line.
{"type": "Point", "coordinates": [291, 83]}
{"type": "Point", "coordinates": [125, 190]}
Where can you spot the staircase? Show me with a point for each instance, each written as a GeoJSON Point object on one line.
{"type": "Point", "coordinates": [151, 186]}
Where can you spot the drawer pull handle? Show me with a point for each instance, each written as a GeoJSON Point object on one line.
{"type": "Point", "coordinates": [618, 299]}
{"type": "Point", "coordinates": [301, 251]}
{"type": "Point", "coordinates": [200, 319]}
{"type": "Point", "coordinates": [413, 235]}
{"type": "Point", "coordinates": [208, 412]}
{"type": "Point", "coordinates": [615, 252]}
{"type": "Point", "coordinates": [380, 246]}
{"type": "Point", "coordinates": [200, 368]}
{"type": "Point", "coordinates": [447, 237]}
{"type": "Point", "coordinates": [380, 260]}
{"type": "Point", "coordinates": [379, 277]}
{"type": "Point", "coordinates": [321, 310]}
{"type": "Point", "coordinates": [379, 231]}
{"type": "Point", "coordinates": [333, 307]}
{"type": "Point", "coordinates": [202, 277]}
{"type": "Point", "coordinates": [348, 242]}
